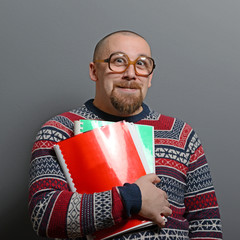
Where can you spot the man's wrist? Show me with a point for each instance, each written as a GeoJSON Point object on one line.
{"type": "Point", "coordinates": [131, 198]}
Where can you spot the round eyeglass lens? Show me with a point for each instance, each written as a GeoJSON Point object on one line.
{"type": "Point", "coordinates": [118, 62]}
{"type": "Point", "coordinates": [144, 65]}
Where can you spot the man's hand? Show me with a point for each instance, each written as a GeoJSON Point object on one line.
{"type": "Point", "coordinates": [154, 200]}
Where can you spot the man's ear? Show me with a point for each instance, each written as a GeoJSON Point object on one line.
{"type": "Point", "coordinates": [150, 80]}
{"type": "Point", "coordinates": [92, 71]}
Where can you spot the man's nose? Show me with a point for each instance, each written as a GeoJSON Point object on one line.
{"type": "Point", "coordinates": [130, 72]}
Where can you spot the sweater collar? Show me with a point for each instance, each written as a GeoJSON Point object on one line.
{"type": "Point", "coordinates": [108, 117]}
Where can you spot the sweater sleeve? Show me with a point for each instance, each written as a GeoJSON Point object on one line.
{"type": "Point", "coordinates": [201, 204]}
{"type": "Point", "coordinates": [55, 211]}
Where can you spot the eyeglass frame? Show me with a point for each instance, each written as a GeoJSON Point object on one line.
{"type": "Point", "coordinates": [107, 60]}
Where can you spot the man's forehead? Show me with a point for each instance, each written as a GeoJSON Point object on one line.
{"type": "Point", "coordinates": [125, 43]}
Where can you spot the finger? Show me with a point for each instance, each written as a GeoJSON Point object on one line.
{"type": "Point", "coordinates": [153, 178]}
{"type": "Point", "coordinates": [160, 221]}
{"type": "Point", "coordinates": [165, 195]}
{"type": "Point", "coordinates": [167, 212]}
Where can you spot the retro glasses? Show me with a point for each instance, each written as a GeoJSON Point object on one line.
{"type": "Point", "coordinates": [119, 63]}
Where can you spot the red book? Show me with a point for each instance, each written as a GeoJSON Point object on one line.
{"type": "Point", "coordinates": [98, 160]}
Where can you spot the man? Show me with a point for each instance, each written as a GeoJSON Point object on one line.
{"type": "Point", "coordinates": [122, 69]}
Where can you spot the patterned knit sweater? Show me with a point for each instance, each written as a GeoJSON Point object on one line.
{"type": "Point", "coordinates": [56, 212]}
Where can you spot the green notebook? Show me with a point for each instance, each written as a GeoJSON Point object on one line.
{"type": "Point", "coordinates": [145, 136]}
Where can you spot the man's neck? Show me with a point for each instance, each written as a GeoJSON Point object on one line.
{"type": "Point", "coordinates": [111, 117]}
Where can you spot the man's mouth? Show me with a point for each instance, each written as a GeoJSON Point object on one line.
{"type": "Point", "coordinates": [129, 90]}
{"type": "Point", "coordinates": [128, 86]}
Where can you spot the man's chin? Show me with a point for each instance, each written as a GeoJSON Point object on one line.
{"type": "Point", "coordinates": [127, 106]}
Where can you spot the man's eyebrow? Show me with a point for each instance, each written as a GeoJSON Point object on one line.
{"type": "Point", "coordinates": [144, 55]}
{"type": "Point", "coordinates": [139, 55]}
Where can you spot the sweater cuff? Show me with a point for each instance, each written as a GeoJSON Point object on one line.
{"type": "Point", "coordinates": [131, 197]}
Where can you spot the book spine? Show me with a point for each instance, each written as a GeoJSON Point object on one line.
{"type": "Point", "coordinates": [64, 167]}
{"type": "Point", "coordinates": [153, 152]}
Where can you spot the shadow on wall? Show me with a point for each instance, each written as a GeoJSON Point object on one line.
{"type": "Point", "coordinates": [15, 222]}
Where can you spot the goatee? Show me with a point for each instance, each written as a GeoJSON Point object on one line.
{"type": "Point", "coordinates": [127, 103]}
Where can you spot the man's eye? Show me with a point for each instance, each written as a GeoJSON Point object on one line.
{"type": "Point", "coordinates": [119, 60]}
{"type": "Point", "coordinates": [141, 63]}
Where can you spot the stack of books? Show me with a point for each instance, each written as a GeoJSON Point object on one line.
{"type": "Point", "coordinates": [103, 155]}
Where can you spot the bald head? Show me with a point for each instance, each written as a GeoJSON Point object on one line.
{"type": "Point", "coordinates": [101, 45]}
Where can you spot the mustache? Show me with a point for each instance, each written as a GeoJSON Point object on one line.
{"type": "Point", "coordinates": [131, 85]}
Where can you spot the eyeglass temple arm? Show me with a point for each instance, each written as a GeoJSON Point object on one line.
{"type": "Point", "coordinates": [102, 60]}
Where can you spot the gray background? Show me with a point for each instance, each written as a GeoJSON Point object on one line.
{"type": "Point", "coordinates": [45, 48]}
